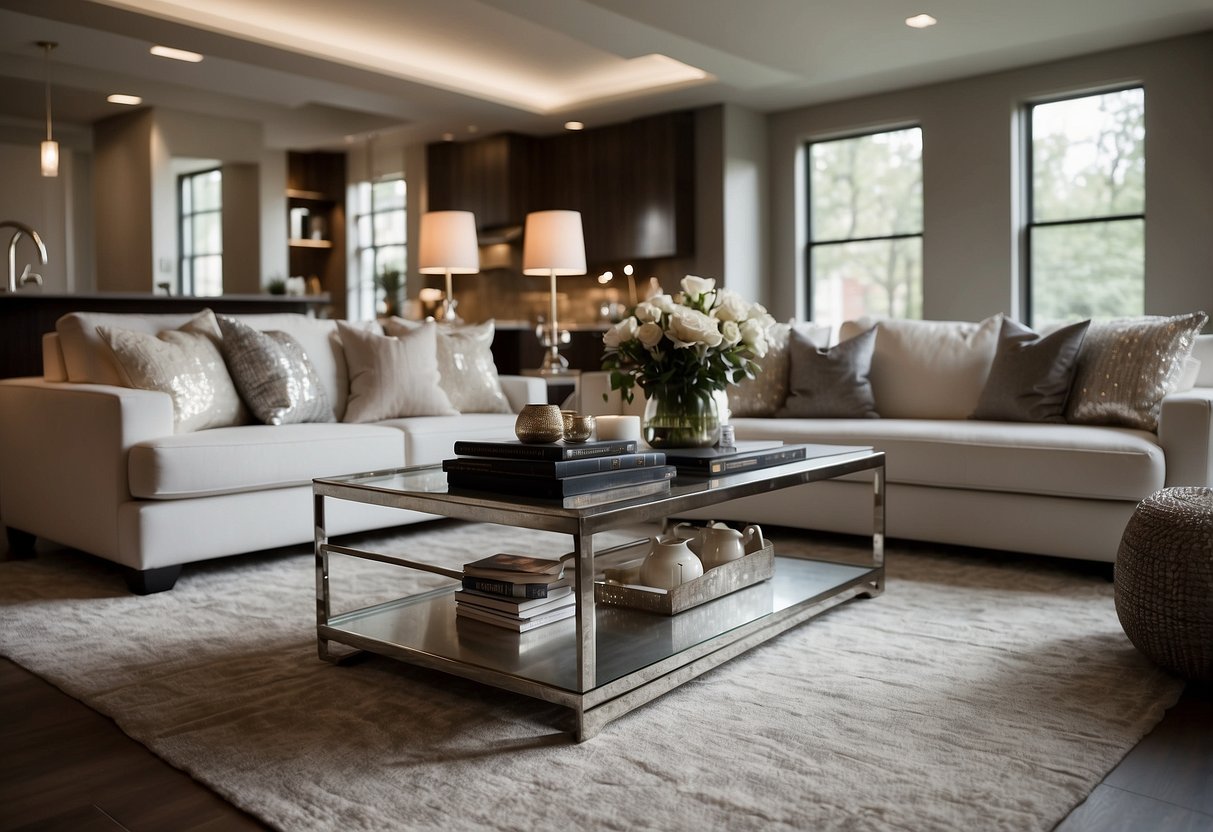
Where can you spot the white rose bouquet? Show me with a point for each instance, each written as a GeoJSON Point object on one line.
{"type": "Point", "coordinates": [688, 346]}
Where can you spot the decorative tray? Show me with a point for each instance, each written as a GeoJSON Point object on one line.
{"type": "Point", "coordinates": [756, 566]}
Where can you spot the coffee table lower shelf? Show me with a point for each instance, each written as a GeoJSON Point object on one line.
{"type": "Point", "coordinates": [639, 655]}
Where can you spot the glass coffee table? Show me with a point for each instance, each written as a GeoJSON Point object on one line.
{"type": "Point", "coordinates": [604, 661]}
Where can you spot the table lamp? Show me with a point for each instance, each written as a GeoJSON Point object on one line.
{"type": "Point", "coordinates": [448, 246]}
{"type": "Point", "coordinates": [553, 245]}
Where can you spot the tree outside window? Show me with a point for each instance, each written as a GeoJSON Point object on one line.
{"type": "Point", "coordinates": [865, 226]}
{"type": "Point", "coordinates": [1086, 231]}
{"type": "Point", "coordinates": [200, 198]}
{"type": "Point", "coordinates": [382, 246]}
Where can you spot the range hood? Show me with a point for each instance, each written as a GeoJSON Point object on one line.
{"type": "Point", "coordinates": [499, 234]}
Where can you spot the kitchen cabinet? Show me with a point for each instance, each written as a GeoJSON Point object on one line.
{"type": "Point", "coordinates": [489, 177]}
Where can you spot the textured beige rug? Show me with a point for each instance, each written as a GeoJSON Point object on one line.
{"type": "Point", "coordinates": [976, 693]}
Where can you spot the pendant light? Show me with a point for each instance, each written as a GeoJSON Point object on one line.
{"type": "Point", "coordinates": [50, 147]}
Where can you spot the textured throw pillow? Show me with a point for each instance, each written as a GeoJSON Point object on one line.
{"type": "Point", "coordinates": [393, 376]}
{"type": "Point", "coordinates": [1031, 375]}
{"type": "Point", "coordinates": [184, 363]}
{"type": "Point", "coordinates": [465, 362]}
{"type": "Point", "coordinates": [764, 394]}
{"type": "Point", "coordinates": [1127, 366]}
{"type": "Point", "coordinates": [273, 375]}
{"type": "Point", "coordinates": [929, 369]}
{"type": "Point", "coordinates": [830, 383]}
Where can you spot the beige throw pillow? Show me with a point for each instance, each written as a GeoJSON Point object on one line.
{"type": "Point", "coordinates": [393, 376]}
{"type": "Point", "coordinates": [465, 362]}
{"type": "Point", "coordinates": [928, 369]}
{"type": "Point", "coordinates": [187, 365]}
{"type": "Point", "coordinates": [1127, 366]}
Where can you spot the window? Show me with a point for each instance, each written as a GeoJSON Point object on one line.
{"type": "Point", "coordinates": [1086, 230]}
{"type": "Point", "coordinates": [865, 226]}
{"type": "Point", "coordinates": [380, 218]}
{"type": "Point", "coordinates": [200, 197]}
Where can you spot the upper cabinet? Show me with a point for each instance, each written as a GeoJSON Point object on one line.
{"type": "Point", "coordinates": [634, 183]}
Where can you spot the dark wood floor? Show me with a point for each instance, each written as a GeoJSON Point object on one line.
{"type": "Point", "coordinates": [65, 767]}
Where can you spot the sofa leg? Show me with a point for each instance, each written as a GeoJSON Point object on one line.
{"type": "Point", "coordinates": [20, 544]}
{"type": "Point", "coordinates": [150, 581]}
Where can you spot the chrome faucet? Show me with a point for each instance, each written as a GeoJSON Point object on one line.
{"type": "Point", "coordinates": [21, 228]}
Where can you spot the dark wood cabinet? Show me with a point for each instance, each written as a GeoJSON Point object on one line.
{"type": "Point", "coordinates": [316, 221]}
{"type": "Point", "coordinates": [634, 183]}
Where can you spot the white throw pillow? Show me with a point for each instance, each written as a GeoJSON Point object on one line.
{"type": "Point", "coordinates": [185, 363]}
{"type": "Point", "coordinates": [465, 362]}
{"type": "Point", "coordinates": [393, 376]}
{"type": "Point", "coordinates": [928, 369]}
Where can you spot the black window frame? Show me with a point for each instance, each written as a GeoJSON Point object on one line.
{"type": "Point", "coordinates": [185, 285]}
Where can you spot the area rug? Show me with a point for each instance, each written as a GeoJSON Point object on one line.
{"type": "Point", "coordinates": [979, 692]}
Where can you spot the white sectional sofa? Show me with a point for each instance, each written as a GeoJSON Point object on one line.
{"type": "Point", "coordinates": [1053, 489]}
{"type": "Point", "coordinates": [97, 466]}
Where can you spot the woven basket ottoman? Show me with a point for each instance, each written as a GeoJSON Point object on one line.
{"type": "Point", "coordinates": [1164, 580]}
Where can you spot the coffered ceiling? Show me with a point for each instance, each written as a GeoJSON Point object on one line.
{"type": "Point", "coordinates": [316, 71]}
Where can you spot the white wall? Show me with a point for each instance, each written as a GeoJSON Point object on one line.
{"type": "Point", "coordinates": [970, 258]}
{"type": "Point", "coordinates": [38, 201]}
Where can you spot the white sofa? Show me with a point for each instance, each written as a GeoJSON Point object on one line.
{"type": "Point", "coordinates": [98, 467]}
{"type": "Point", "coordinates": [1054, 489]}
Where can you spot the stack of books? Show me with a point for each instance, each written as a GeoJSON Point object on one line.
{"type": "Point", "coordinates": [517, 592]}
{"type": "Point", "coordinates": [577, 475]}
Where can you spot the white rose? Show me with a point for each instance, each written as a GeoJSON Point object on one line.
{"type": "Point", "coordinates": [650, 334]}
{"type": "Point", "coordinates": [730, 306]}
{"type": "Point", "coordinates": [625, 330]}
{"type": "Point", "coordinates": [695, 286]}
{"type": "Point", "coordinates": [754, 336]}
{"type": "Point", "coordinates": [663, 302]}
{"type": "Point", "coordinates": [730, 332]}
{"type": "Point", "coordinates": [689, 327]}
{"type": "Point", "coordinates": [646, 312]}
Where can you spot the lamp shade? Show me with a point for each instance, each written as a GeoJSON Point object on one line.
{"type": "Point", "coordinates": [553, 243]}
{"type": "Point", "coordinates": [448, 243]}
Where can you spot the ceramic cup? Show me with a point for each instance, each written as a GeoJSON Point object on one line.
{"type": "Point", "coordinates": [577, 428]}
{"type": "Point", "coordinates": [539, 423]}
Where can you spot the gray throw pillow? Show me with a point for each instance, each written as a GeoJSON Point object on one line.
{"type": "Point", "coordinates": [1127, 366]}
{"type": "Point", "coordinates": [830, 383]}
{"type": "Point", "coordinates": [1031, 375]}
{"type": "Point", "coordinates": [273, 374]}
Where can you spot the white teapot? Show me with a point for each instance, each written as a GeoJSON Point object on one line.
{"type": "Point", "coordinates": [719, 544]}
{"type": "Point", "coordinates": [670, 562]}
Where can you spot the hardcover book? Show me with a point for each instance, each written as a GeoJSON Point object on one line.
{"type": "Point", "coordinates": [505, 562]}
{"type": "Point", "coordinates": [553, 467]}
{"type": "Point", "coordinates": [747, 456]}
{"type": "Point", "coordinates": [557, 596]}
{"type": "Point", "coordinates": [532, 486]}
{"type": "Point", "coordinates": [593, 498]}
{"type": "Point", "coordinates": [511, 589]}
{"type": "Point", "coordinates": [520, 625]}
{"type": "Point", "coordinates": [513, 449]}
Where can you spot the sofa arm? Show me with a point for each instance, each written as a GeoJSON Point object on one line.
{"type": "Point", "coordinates": [520, 390]}
{"type": "Point", "coordinates": [63, 456]}
{"type": "Point", "coordinates": [1185, 432]}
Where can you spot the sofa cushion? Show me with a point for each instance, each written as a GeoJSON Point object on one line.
{"type": "Point", "coordinates": [85, 354]}
{"type": "Point", "coordinates": [273, 374]}
{"type": "Point", "coordinates": [393, 376]}
{"type": "Point", "coordinates": [1031, 375]}
{"type": "Point", "coordinates": [186, 364]}
{"type": "Point", "coordinates": [431, 439]}
{"type": "Point", "coordinates": [1127, 366]}
{"type": "Point", "coordinates": [1025, 457]}
{"type": "Point", "coordinates": [465, 363]}
{"type": "Point", "coordinates": [928, 369]}
{"type": "Point", "coordinates": [830, 382]}
{"type": "Point", "coordinates": [254, 457]}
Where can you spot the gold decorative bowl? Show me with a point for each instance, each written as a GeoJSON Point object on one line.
{"type": "Point", "coordinates": [577, 428]}
{"type": "Point", "coordinates": [539, 423]}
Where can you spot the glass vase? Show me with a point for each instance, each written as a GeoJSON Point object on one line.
{"type": "Point", "coordinates": [680, 420]}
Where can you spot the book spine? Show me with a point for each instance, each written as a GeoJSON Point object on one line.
{"type": "Point", "coordinates": [752, 463]}
{"type": "Point", "coordinates": [553, 468]}
{"type": "Point", "coordinates": [552, 487]}
{"type": "Point", "coordinates": [505, 588]}
{"type": "Point", "coordinates": [519, 450]}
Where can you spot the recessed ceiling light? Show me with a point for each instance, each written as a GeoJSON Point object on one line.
{"type": "Point", "coordinates": [175, 54]}
{"type": "Point", "coordinates": [920, 21]}
{"type": "Point", "coordinates": [448, 137]}
{"type": "Point", "coordinates": [129, 100]}
{"type": "Point", "coordinates": [574, 125]}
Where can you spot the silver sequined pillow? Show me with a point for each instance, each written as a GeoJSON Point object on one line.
{"type": "Point", "coordinates": [184, 363]}
{"type": "Point", "coordinates": [465, 362]}
{"type": "Point", "coordinates": [273, 375]}
{"type": "Point", "coordinates": [1127, 366]}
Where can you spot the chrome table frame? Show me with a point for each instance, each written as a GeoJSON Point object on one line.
{"type": "Point", "coordinates": [601, 663]}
